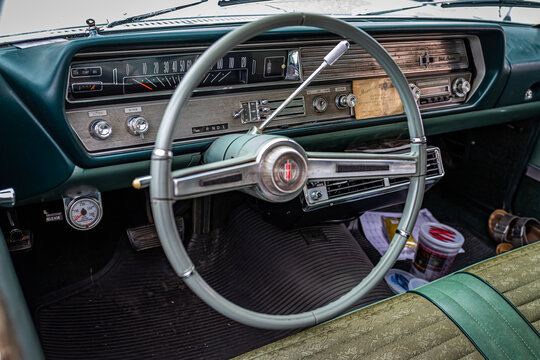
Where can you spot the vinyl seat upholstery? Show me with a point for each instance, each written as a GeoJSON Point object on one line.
{"type": "Point", "coordinates": [410, 327]}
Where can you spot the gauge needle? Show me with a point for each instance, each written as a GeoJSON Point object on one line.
{"type": "Point", "coordinates": [93, 86]}
{"type": "Point", "coordinates": [78, 217]}
{"type": "Point", "coordinates": [146, 86]}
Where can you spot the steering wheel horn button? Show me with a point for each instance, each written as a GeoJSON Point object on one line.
{"type": "Point", "coordinates": [284, 171]}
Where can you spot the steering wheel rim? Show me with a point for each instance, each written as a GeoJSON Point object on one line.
{"type": "Point", "coordinates": [161, 186]}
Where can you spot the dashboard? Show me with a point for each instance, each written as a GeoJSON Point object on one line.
{"type": "Point", "coordinates": [86, 110]}
{"type": "Point", "coordinates": [113, 101]}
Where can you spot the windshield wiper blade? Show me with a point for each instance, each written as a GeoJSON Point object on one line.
{"type": "Point", "coordinates": [152, 14]}
{"type": "Point", "coordinates": [450, 4]}
{"type": "Point", "coordinates": [237, 2]}
{"type": "Point", "coordinates": [510, 3]}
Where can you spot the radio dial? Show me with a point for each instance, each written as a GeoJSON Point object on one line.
{"type": "Point", "coordinates": [100, 129]}
{"type": "Point", "coordinates": [138, 126]}
{"type": "Point", "coordinates": [461, 87]}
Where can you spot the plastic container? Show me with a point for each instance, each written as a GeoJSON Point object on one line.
{"type": "Point", "coordinates": [437, 248]}
{"type": "Point", "coordinates": [398, 280]}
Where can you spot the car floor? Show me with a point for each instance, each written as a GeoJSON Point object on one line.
{"type": "Point", "coordinates": [136, 305]}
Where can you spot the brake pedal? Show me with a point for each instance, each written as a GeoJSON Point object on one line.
{"type": "Point", "coordinates": [145, 237]}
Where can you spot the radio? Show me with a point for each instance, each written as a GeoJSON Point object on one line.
{"type": "Point", "coordinates": [441, 90]}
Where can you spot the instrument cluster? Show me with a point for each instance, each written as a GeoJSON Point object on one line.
{"type": "Point", "coordinates": [111, 78]}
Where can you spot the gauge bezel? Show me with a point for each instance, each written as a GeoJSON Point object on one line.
{"type": "Point", "coordinates": [74, 202]}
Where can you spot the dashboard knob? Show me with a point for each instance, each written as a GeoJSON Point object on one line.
{"type": "Point", "coordinates": [461, 87]}
{"type": "Point", "coordinates": [343, 101]}
{"type": "Point", "coordinates": [138, 126]}
{"type": "Point", "coordinates": [416, 91]}
{"type": "Point", "coordinates": [320, 104]}
{"type": "Point", "coordinates": [100, 129]}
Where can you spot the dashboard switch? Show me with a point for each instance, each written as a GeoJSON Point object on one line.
{"type": "Point", "coordinates": [100, 129]}
{"type": "Point", "coordinates": [344, 101]}
{"type": "Point", "coordinates": [320, 104]}
{"type": "Point", "coordinates": [138, 126]}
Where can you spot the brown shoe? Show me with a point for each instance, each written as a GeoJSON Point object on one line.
{"type": "Point", "coordinates": [500, 224]}
{"type": "Point", "coordinates": [525, 231]}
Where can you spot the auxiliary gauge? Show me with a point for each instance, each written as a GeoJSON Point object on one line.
{"type": "Point", "coordinates": [84, 212]}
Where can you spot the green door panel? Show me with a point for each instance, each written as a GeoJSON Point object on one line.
{"type": "Point", "coordinates": [495, 326]}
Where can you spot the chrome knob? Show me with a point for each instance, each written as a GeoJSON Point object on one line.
{"type": "Point", "coordinates": [138, 126]}
{"type": "Point", "coordinates": [416, 91]}
{"type": "Point", "coordinates": [315, 195]}
{"type": "Point", "coordinates": [344, 101]}
{"type": "Point", "coordinates": [461, 87]}
{"type": "Point", "coordinates": [100, 129]}
{"type": "Point", "coordinates": [320, 104]}
{"type": "Point", "coordinates": [7, 197]}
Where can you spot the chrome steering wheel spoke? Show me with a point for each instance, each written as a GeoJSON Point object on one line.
{"type": "Point", "coordinates": [214, 178]}
{"type": "Point", "coordinates": [344, 166]}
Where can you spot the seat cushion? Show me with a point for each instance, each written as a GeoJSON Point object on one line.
{"type": "Point", "coordinates": [409, 326]}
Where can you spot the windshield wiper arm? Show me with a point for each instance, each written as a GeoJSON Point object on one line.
{"type": "Point", "coordinates": [152, 14]}
{"type": "Point", "coordinates": [382, 12]}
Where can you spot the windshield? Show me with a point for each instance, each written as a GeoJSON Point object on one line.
{"type": "Point", "coordinates": [19, 17]}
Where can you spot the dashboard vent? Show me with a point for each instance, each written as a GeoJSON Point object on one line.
{"type": "Point", "coordinates": [293, 109]}
{"type": "Point", "coordinates": [335, 191]}
{"type": "Point", "coordinates": [411, 56]}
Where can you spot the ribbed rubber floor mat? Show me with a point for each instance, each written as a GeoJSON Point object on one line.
{"type": "Point", "coordinates": [136, 307]}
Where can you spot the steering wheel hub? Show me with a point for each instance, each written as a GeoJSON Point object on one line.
{"type": "Point", "coordinates": [284, 171]}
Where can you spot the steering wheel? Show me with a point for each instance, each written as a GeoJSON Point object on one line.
{"type": "Point", "coordinates": [275, 168]}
